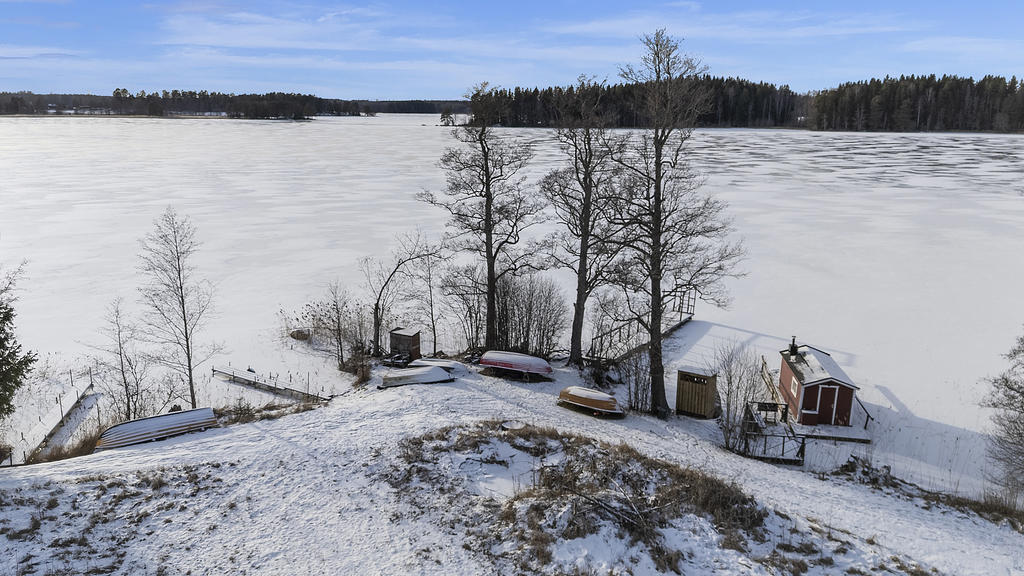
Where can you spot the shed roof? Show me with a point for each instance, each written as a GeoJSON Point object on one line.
{"type": "Point", "coordinates": [813, 366]}
{"type": "Point", "coordinates": [406, 331]}
{"type": "Point", "coordinates": [697, 370]}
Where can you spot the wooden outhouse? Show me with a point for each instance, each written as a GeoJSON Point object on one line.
{"type": "Point", "coordinates": [697, 392]}
{"type": "Point", "coordinates": [406, 341]}
{"type": "Point", "coordinates": [815, 387]}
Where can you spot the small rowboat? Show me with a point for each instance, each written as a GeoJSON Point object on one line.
{"type": "Point", "coordinates": [156, 428]}
{"type": "Point", "coordinates": [449, 366]}
{"type": "Point", "coordinates": [589, 400]}
{"type": "Point", "coordinates": [421, 375]}
{"type": "Point", "coordinates": [516, 362]}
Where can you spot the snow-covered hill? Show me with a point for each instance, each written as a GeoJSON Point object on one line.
{"type": "Point", "coordinates": [314, 493]}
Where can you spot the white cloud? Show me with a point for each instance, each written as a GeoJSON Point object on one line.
{"type": "Point", "coordinates": [966, 46]}
{"type": "Point", "coordinates": [756, 26]}
{"type": "Point", "coordinates": [9, 51]}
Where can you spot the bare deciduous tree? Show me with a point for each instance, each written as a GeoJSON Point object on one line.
{"type": "Point", "coordinates": [581, 194]}
{"type": "Point", "coordinates": [678, 238]}
{"type": "Point", "coordinates": [486, 198]}
{"type": "Point", "coordinates": [424, 294]}
{"type": "Point", "coordinates": [330, 322]}
{"type": "Point", "coordinates": [126, 372]}
{"type": "Point", "coordinates": [1006, 443]}
{"type": "Point", "coordinates": [176, 302]}
{"type": "Point", "coordinates": [465, 296]}
{"type": "Point", "coordinates": [385, 280]}
{"type": "Point", "coordinates": [531, 314]}
{"type": "Point", "coordinates": [739, 383]}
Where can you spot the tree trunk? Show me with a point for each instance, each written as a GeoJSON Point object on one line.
{"type": "Point", "coordinates": [579, 310]}
{"type": "Point", "coordinates": [491, 327]}
{"type": "Point", "coordinates": [659, 405]}
{"type": "Point", "coordinates": [376, 328]}
{"type": "Point", "coordinates": [188, 355]}
{"type": "Point", "coordinates": [191, 381]}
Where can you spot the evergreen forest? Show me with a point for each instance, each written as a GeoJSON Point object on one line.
{"type": "Point", "coordinates": [904, 104]}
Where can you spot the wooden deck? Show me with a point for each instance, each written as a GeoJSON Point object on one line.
{"type": "Point", "coordinates": [836, 433]}
{"type": "Point", "coordinates": [272, 385]}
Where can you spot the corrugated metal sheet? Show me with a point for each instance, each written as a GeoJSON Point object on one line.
{"type": "Point", "coordinates": [156, 428]}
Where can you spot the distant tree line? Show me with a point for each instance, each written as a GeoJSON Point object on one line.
{"type": "Point", "coordinates": [733, 103]}
{"type": "Point", "coordinates": [922, 103]}
{"type": "Point", "coordinates": [191, 102]}
{"type": "Point", "coordinates": [904, 104]}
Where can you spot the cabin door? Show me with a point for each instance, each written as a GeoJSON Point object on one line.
{"type": "Point", "coordinates": [827, 404]}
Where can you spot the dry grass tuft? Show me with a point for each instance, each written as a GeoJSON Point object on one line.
{"type": "Point", "coordinates": [83, 446]}
{"type": "Point", "coordinates": [588, 487]}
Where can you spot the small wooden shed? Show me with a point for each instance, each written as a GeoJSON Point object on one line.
{"type": "Point", "coordinates": [406, 341]}
{"type": "Point", "coordinates": [696, 392]}
{"type": "Point", "coordinates": [817, 390]}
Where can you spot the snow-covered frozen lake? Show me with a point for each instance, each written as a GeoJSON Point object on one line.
{"type": "Point", "coordinates": [900, 252]}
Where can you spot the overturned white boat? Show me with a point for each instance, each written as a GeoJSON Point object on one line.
{"type": "Point", "coordinates": [156, 428]}
{"type": "Point", "coordinates": [420, 375]}
{"type": "Point", "coordinates": [589, 400]}
{"type": "Point", "coordinates": [516, 362]}
{"type": "Point", "coordinates": [449, 366]}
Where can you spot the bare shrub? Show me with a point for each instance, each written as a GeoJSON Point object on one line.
{"type": "Point", "coordinates": [465, 300]}
{"type": "Point", "coordinates": [126, 371]}
{"type": "Point", "coordinates": [1006, 443]}
{"type": "Point", "coordinates": [531, 310]}
{"type": "Point", "coordinates": [338, 325]}
{"type": "Point", "coordinates": [532, 314]}
{"type": "Point", "coordinates": [84, 445]}
{"type": "Point", "coordinates": [155, 481]}
{"type": "Point", "coordinates": [739, 383]}
{"type": "Point", "coordinates": [328, 320]}
{"type": "Point", "coordinates": [241, 412]}
{"type": "Point", "coordinates": [634, 370]}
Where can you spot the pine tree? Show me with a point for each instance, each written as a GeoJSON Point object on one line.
{"type": "Point", "coordinates": [14, 364]}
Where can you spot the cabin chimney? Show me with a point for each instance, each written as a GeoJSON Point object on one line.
{"type": "Point", "coordinates": [792, 347]}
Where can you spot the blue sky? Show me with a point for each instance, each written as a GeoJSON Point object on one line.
{"type": "Point", "coordinates": [403, 49]}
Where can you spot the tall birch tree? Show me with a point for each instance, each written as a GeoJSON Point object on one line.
{"type": "Point", "coordinates": [678, 239]}
{"type": "Point", "coordinates": [581, 193]}
{"type": "Point", "coordinates": [486, 196]}
{"type": "Point", "coordinates": [176, 302]}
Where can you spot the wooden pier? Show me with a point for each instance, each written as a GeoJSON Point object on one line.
{"type": "Point", "coordinates": [266, 384]}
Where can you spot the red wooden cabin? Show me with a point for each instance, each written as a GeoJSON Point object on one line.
{"type": "Point", "coordinates": [815, 387]}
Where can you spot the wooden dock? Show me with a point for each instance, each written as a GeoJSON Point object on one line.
{"type": "Point", "coordinates": [266, 384]}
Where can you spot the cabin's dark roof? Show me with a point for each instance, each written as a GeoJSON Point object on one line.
{"type": "Point", "coordinates": [813, 366]}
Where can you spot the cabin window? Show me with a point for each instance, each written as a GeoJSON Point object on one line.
{"type": "Point", "coordinates": [792, 386]}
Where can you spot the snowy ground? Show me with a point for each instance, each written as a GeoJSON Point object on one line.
{"type": "Point", "coordinates": [304, 494]}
